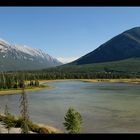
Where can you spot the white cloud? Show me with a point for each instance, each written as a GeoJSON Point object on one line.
{"type": "Point", "coordinates": [67, 59]}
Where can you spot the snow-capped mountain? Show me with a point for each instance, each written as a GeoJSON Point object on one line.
{"type": "Point", "coordinates": [18, 57]}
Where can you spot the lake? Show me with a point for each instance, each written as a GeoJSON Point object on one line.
{"type": "Point", "coordinates": [105, 107]}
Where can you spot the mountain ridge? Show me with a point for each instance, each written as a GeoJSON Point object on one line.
{"type": "Point", "coordinates": [123, 46]}
{"type": "Point", "coordinates": [22, 57]}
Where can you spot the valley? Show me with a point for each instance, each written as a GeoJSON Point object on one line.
{"type": "Point", "coordinates": [96, 84]}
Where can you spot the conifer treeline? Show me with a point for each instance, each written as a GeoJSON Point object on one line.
{"type": "Point", "coordinates": [14, 79]}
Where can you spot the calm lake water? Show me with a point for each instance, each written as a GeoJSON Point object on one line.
{"type": "Point", "coordinates": [105, 107]}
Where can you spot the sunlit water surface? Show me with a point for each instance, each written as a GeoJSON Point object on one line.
{"type": "Point", "coordinates": [105, 107]}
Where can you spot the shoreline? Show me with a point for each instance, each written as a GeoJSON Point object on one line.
{"type": "Point", "coordinates": [18, 91]}
{"type": "Point", "coordinates": [50, 129]}
{"type": "Point", "coordinates": [130, 81]}
{"type": "Point", "coordinates": [16, 130]}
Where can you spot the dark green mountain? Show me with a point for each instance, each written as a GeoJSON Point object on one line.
{"type": "Point", "coordinates": [123, 46]}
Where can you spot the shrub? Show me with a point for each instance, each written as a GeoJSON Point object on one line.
{"type": "Point", "coordinates": [43, 130]}
{"type": "Point", "coordinates": [73, 121]}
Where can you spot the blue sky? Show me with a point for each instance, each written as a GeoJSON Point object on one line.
{"type": "Point", "coordinates": [65, 33]}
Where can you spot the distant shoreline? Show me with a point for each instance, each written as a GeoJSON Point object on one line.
{"type": "Point", "coordinates": [129, 81]}
{"type": "Point", "coordinates": [17, 91]}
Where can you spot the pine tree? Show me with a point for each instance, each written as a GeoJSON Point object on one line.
{"type": "Point", "coordinates": [15, 85]}
{"type": "Point", "coordinates": [31, 83]}
{"type": "Point", "coordinates": [73, 121]}
{"type": "Point", "coordinates": [6, 111]}
{"type": "Point", "coordinates": [36, 83]}
{"type": "Point", "coordinates": [4, 81]}
{"type": "Point", "coordinates": [21, 84]}
{"type": "Point", "coordinates": [24, 112]}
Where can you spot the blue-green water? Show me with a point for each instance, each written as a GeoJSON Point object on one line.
{"type": "Point", "coordinates": [105, 107]}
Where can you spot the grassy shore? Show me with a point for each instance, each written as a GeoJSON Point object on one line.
{"type": "Point", "coordinates": [51, 129]}
{"type": "Point", "coordinates": [33, 127]}
{"type": "Point", "coordinates": [28, 89]}
{"type": "Point", "coordinates": [42, 87]}
{"type": "Point", "coordinates": [134, 81]}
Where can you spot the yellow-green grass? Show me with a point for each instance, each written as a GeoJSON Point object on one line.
{"type": "Point", "coordinates": [134, 81]}
{"type": "Point", "coordinates": [28, 89]}
{"type": "Point", "coordinates": [57, 80]}
{"type": "Point", "coordinates": [34, 127]}
{"type": "Point", "coordinates": [51, 129]}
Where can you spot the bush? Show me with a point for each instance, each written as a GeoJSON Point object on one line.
{"type": "Point", "coordinates": [43, 130]}
{"type": "Point", "coordinates": [33, 127]}
{"type": "Point", "coordinates": [9, 122]}
{"type": "Point", "coordinates": [73, 121]}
